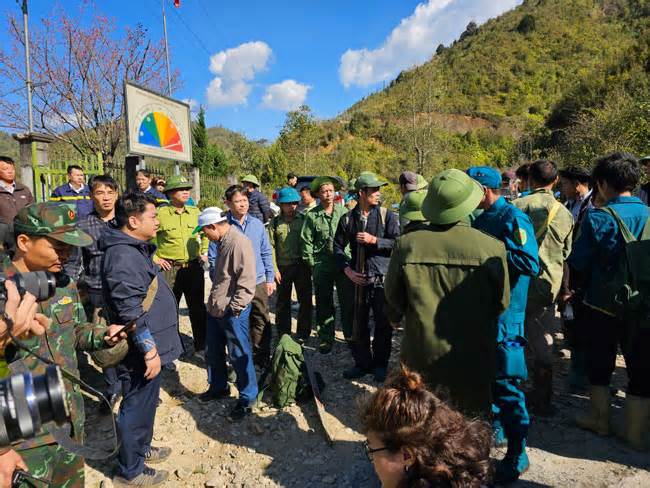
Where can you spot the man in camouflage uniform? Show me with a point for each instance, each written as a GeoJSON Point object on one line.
{"type": "Point", "coordinates": [45, 234]}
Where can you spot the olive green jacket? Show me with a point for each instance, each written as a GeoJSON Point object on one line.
{"type": "Point", "coordinates": [554, 240]}
{"type": "Point", "coordinates": [285, 240]}
{"type": "Point", "coordinates": [318, 234]}
{"type": "Point", "coordinates": [450, 283]}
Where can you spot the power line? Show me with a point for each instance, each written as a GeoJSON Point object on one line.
{"type": "Point", "coordinates": [209, 15]}
{"type": "Point", "coordinates": [181, 38]}
{"type": "Point", "coordinates": [198, 39]}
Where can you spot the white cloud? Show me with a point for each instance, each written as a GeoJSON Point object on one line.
{"type": "Point", "coordinates": [286, 95]}
{"type": "Point", "coordinates": [194, 104]}
{"type": "Point", "coordinates": [415, 39]}
{"type": "Point", "coordinates": [235, 68]}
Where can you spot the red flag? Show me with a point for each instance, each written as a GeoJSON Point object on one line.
{"type": "Point", "coordinates": [177, 3]}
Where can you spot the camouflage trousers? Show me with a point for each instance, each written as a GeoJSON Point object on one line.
{"type": "Point", "coordinates": [54, 464]}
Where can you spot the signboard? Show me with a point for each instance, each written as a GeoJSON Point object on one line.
{"type": "Point", "coordinates": [157, 125]}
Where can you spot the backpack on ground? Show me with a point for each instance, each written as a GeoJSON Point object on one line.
{"type": "Point", "coordinates": [286, 377]}
{"type": "Point", "coordinates": [630, 283]}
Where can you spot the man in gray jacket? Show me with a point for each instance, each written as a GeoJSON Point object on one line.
{"type": "Point", "coordinates": [229, 305]}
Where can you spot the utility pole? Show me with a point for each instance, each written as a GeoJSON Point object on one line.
{"type": "Point", "coordinates": [28, 73]}
{"type": "Point", "coordinates": [177, 168]}
{"type": "Point", "coordinates": [169, 77]}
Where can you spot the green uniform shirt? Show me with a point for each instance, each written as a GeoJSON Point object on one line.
{"type": "Point", "coordinates": [555, 240]}
{"type": "Point", "coordinates": [285, 239]}
{"type": "Point", "coordinates": [318, 234]}
{"type": "Point", "coordinates": [68, 332]}
{"type": "Point", "coordinates": [450, 284]}
{"type": "Point", "coordinates": [174, 238]}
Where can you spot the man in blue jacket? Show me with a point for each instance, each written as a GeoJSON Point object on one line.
{"type": "Point", "coordinates": [259, 206]}
{"type": "Point", "coordinates": [507, 223]}
{"type": "Point", "coordinates": [596, 253]}
{"type": "Point", "coordinates": [130, 279]}
{"type": "Point", "coordinates": [75, 191]}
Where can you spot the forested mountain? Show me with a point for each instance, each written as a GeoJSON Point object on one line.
{"type": "Point", "coordinates": [565, 78]}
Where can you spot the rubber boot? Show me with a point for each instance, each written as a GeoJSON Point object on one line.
{"type": "Point", "coordinates": [637, 412]}
{"type": "Point", "coordinates": [597, 419]}
{"type": "Point", "coordinates": [514, 464]}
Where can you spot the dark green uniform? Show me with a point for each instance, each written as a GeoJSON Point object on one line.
{"type": "Point", "coordinates": [318, 252]}
{"type": "Point", "coordinates": [286, 243]}
{"type": "Point", "coordinates": [450, 283]}
{"type": "Point", "coordinates": [68, 332]}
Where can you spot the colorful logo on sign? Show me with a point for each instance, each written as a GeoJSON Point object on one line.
{"type": "Point", "coordinates": [158, 130]}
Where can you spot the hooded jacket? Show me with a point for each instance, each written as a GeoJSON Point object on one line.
{"type": "Point", "coordinates": [128, 270]}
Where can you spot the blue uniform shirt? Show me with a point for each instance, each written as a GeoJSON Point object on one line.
{"type": "Point", "coordinates": [81, 199]}
{"type": "Point", "coordinates": [253, 229]}
{"type": "Point", "coordinates": [599, 242]}
{"type": "Point", "coordinates": [510, 225]}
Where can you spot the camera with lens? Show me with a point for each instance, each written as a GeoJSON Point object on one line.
{"type": "Point", "coordinates": [41, 284]}
{"type": "Point", "coordinates": [27, 402]}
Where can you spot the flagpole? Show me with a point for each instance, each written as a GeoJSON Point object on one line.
{"type": "Point", "coordinates": [28, 73]}
{"type": "Point", "coordinates": [169, 79]}
{"type": "Point", "coordinates": [177, 169]}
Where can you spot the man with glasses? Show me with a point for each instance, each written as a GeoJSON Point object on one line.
{"type": "Point", "coordinates": [85, 265]}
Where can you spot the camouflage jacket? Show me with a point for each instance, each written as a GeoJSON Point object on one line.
{"type": "Point", "coordinates": [68, 332]}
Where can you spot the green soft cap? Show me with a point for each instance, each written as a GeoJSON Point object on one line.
{"type": "Point", "coordinates": [251, 179]}
{"type": "Point", "coordinates": [315, 185]}
{"type": "Point", "coordinates": [368, 180]}
{"type": "Point", "coordinates": [55, 220]}
{"type": "Point", "coordinates": [411, 207]}
{"type": "Point", "coordinates": [178, 183]}
{"type": "Point", "coordinates": [452, 196]}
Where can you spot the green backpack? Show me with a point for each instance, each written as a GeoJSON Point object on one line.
{"type": "Point", "coordinates": [286, 375]}
{"type": "Point", "coordinates": [630, 283]}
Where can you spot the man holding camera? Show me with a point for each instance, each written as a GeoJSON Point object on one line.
{"type": "Point", "coordinates": [45, 234]}
{"type": "Point", "coordinates": [22, 312]}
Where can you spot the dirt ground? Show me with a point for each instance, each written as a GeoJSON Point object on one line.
{"type": "Point", "coordinates": [287, 448]}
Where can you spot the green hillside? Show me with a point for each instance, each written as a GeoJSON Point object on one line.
{"type": "Point", "coordinates": [565, 78]}
{"type": "Point", "coordinates": [538, 79]}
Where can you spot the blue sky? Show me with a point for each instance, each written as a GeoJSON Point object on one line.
{"type": "Point", "coordinates": [250, 61]}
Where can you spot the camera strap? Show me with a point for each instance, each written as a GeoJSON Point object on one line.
{"type": "Point", "coordinates": [62, 434]}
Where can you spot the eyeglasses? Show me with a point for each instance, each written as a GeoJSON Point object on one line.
{"type": "Point", "coordinates": [369, 452]}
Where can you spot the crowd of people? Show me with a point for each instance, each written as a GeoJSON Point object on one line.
{"type": "Point", "coordinates": [474, 269]}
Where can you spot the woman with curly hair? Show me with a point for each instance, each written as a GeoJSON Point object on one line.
{"type": "Point", "coordinates": [414, 439]}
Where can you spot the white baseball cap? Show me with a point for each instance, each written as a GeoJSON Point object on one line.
{"type": "Point", "coordinates": [211, 215]}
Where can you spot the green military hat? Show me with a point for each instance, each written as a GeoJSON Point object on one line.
{"type": "Point", "coordinates": [422, 183]}
{"type": "Point", "coordinates": [55, 220]}
{"type": "Point", "coordinates": [252, 179]}
{"type": "Point", "coordinates": [178, 183]}
{"type": "Point", "coordinates": [411, 207]}
{"type": "Point", "coordinates": [368, 180]}
{"type": "Point", "coordinates": [315, 185]}
{"type": "Point", "coordinates": [452, 196]}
